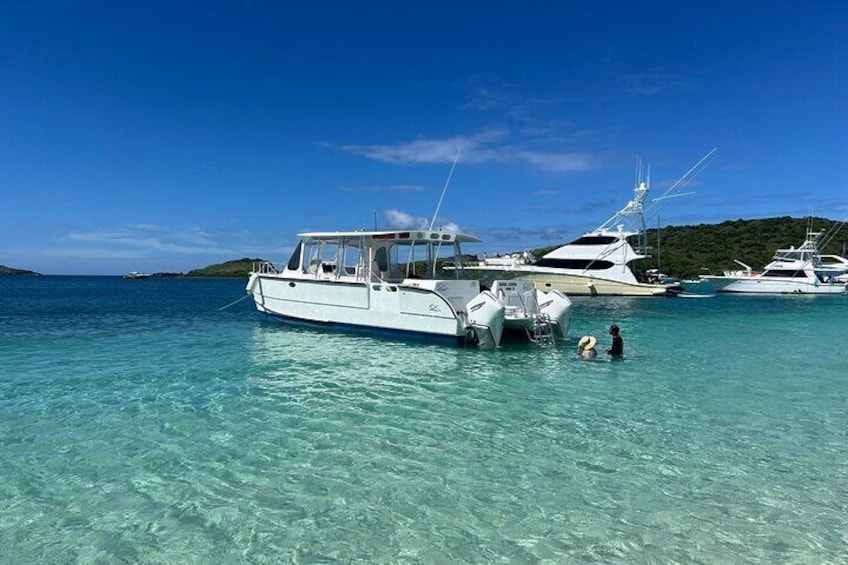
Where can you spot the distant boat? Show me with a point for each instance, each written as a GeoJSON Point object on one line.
{"type": "Point", "coordinates": [718, 282]}
{"type": "Point", "coordinates": [136, 275]}
{"type": "Point", "coordinates": [837, 263]}
{"type": "Point", "coordinates": [794, 271]}
{"type": "Point", "coordinates": [385, 282]}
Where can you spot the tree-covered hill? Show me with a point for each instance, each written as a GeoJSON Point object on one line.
{"type": "Point", "coordinates": [235, 268]}
{"type": "Point", "coordinates": [4, 270]}
{"type": "Point", "coordinates": [686, 251]}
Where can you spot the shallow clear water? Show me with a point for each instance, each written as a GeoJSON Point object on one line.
{"type": "Point", "coordinates": [140, 424]}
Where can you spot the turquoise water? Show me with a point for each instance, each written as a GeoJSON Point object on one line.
{"type": "Point", "coordinates": [140, 424]}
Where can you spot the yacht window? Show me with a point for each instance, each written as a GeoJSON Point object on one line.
{"type": "Point", "coordinates": [594, 240]}
{"type": "Point", "coordinates": [786, 273]}
{"type": "Point", "coordinates": [582, 264]}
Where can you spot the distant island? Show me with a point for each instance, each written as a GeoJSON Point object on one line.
{"type": "Point", "coordinates": [235, 268]}
{"type": "Point", "coordinates": [4, 270]}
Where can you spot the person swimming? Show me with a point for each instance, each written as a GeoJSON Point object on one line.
{"type": "Point", "coordinates": [617, 347]}
{"type": "Point", "coordinates": [586, 347]}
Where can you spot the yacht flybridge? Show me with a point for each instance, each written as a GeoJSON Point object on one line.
{"type": "Point", "coordinates": [386, 282]}
{"type": "Point", "coordinates": [598, 263]}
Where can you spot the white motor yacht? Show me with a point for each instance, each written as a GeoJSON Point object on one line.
{"type": "Point", "coordinates": [599, 262]}
{"type": "Point", "coordinates": [385, 282]}
{"type": "Point", "coordinates": [793, 271]}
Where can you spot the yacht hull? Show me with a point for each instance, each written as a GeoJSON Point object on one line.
{"type": "Point", "coordinates": [574, 285]}
{"type": "Point", "coordinates": [578, 284]}
{"type": "Point", "coordinates": [765, 286]}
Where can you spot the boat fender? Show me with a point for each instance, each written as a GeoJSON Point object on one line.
{"type": "Point", "coordinates": [251, 284]}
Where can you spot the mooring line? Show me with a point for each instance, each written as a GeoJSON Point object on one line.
{"type": "Point", "coordinates": [235, 302]}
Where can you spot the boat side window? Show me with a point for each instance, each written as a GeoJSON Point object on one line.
{"type": "Point", "coordinates": [786, 273]}
{"type": "Point", "coordinates": [382, 259]}
{"type": "Point", "coordinates": [294, 261]}
{"type": "Point", "coordinates": [594, 240]}
{"type": "Point", "coordinates": [351, 259]}
{"type": "Point", "coordinates": [583, 264]}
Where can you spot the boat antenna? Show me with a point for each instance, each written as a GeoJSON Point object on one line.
{"type": "Point", "coordinates": [831, 235]}
{"type": "Point", "coordinates": [445, 189]}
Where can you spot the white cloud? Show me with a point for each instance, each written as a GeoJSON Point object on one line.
{"type": "Point", "coordinates": [186, 243]}
{"type": "Point", "coordinates": [488, 146]}
{"type": "Point", "coordinates": [400, 220]}
{"type": "Point", "coordinates": [558, 162]}
{"type": "Point", "coordinates": [472, 149]}
{"type": "Point", "coordinates": [387, 188]}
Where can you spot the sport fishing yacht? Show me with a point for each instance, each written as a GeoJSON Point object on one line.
{"type": "Point", "coordinates": [598, 262]}
{"type": "Point", "coordinates": [385, 282]}
{"type": "Point", "coordinates": [794, 271]}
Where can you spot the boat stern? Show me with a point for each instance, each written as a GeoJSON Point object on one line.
{"type": "Point", "coordinates": [486, 319]}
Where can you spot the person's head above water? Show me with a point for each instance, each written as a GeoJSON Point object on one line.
{"type": "Point", "coordinates": [587, 342]}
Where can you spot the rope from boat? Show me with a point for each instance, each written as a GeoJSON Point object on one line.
{"type": "Point", "coordinates": [235, 302]}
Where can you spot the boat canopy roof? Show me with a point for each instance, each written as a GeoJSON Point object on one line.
{"type": "Point", "coordinates": [417, 237]}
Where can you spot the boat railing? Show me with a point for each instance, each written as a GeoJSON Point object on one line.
{"type": "Point", "coordinates": [264, 268]}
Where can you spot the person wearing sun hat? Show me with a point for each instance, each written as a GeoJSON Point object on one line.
{"type": "Point", "coordinates": [586, 347]}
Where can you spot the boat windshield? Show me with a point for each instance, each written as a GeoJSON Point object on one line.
{"type": "Point", "coordinates": [594, 240]}
{"type": "Point", "coordinates": [368, 255]}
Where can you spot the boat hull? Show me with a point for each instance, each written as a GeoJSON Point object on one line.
{"type": "Point", "coordinates": [766, 286]}
{"type": "Point", "coordinates": [580, 285]}
{"type": "Point", "coordinates": [397, 310]}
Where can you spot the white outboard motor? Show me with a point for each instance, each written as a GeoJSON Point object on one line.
{"type": "Point", "coordinates": [557, 307]}
{"type": "Point", "coordinates": [486, 318]}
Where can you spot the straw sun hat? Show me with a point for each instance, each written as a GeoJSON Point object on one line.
{"type": "Point", "coordinates": [588, 341]}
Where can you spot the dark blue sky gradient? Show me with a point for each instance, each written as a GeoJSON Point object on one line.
{"type": "Point", "coordinates": [166, 136]}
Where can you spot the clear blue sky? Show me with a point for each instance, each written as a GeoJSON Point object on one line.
{"type": "Point", "coordinates": [157, 136]}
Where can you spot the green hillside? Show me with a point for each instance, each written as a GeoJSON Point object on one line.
{"type": "Point", "coordinates": [235, 268]}
{"type": "Point", "coordinates": [686, 251]}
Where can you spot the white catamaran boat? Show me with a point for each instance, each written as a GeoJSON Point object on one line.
{"type": "Point", "coordinates": [385, 282]}
{"type": "Point", "coordinates": [598, 263]}
{"type": "Point", "coordinates": [794, 271]}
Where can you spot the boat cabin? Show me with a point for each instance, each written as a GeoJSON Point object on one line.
{"type": "Point", "coordinates": [387, 256]}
